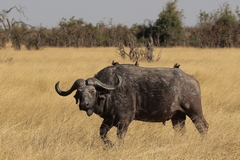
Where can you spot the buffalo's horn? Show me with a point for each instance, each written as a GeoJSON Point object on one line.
{"type": "Point", "coordinates": [78, 83]}
{"type": "Point", "coordinates": [96, 82]}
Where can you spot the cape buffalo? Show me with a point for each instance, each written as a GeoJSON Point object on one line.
{"type": "Point", "coordinates": [123, 93]}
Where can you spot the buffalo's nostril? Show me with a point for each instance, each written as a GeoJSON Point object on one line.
{"type": "Point", "coordinates": [85, 104]}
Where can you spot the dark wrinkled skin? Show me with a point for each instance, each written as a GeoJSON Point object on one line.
{"type": "Point", "coordinates": [145, 94]}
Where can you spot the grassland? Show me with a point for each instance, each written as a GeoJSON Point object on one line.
{"type": "Point", "coordinates": [36, 123]}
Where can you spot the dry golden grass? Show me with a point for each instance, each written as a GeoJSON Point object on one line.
{"type": "Point", "coordinates": [36, 123]}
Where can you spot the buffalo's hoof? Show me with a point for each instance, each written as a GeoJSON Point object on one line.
{"type": "Point", "coordinates": [108, 143]}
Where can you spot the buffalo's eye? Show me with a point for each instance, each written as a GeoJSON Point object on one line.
{"type": "Point", "coordinates": [92, 91]}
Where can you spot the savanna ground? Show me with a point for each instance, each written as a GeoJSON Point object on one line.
{"type": "Point", "coordinates": [36, 123]}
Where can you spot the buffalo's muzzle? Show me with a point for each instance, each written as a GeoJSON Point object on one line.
{"type": "Point", "coordinates": [85, 106]}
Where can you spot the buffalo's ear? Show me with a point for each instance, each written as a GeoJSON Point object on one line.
{"type": "Point", "coordinates": [76, 98]}
{"type": "Point", "coordinates": [102, 97]}
{"type": "Point", "coordinates": [103, 94]}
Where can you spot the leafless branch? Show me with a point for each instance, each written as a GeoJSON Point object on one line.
{"type": "Point", "coordinates": [149, 50]}
{"type": "Point", "coordinates": [159, 56]}
{"type": "Point", "coordinates": [136, 53]}
{"type": "Point", "coordinates": [4, 14]}
{"type": "Point", "coordinates": [20, 9]}
{"type": "Point", "coordinates": [122, 52]}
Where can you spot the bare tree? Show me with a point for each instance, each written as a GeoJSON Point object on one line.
{"type": "Point", "coordinates": [136, 53]}
{"type": "Point", "coordinates": [13, 30]}
{"type": "Point", "coordinates": [122, 51]}
{"type": "Point", "coordinates": [149, 50]}
{"type": "Point", "coordinates": [4, 17]}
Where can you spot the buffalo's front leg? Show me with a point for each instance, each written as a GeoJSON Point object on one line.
{"type": "Point", "coordinates": [105, 127]}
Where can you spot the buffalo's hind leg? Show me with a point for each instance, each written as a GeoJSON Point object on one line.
{"type": "Point", "coordinates": [178, 122]}
{"type": "Point", "coordinates": [200, 123]}
{"type": "Point", "coordinates": [196, 115]}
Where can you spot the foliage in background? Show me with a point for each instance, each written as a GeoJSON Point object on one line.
{"type": "Point", "coordinates": [217, 29]}
{"type": "Point", "coordinates": [169, 26]}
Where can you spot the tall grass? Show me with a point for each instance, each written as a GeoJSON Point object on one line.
{"type": "Point", "coordinates": [36, 123]}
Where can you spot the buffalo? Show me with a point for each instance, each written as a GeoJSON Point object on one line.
{"type": "Point", "coordinates": [123, 93]}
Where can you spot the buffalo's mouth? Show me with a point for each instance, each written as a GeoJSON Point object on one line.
{"type": "Point", "coordinates": [89, 112]}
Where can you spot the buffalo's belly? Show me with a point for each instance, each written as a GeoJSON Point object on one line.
{"type": "Point", "coordinates": [154, 116]}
